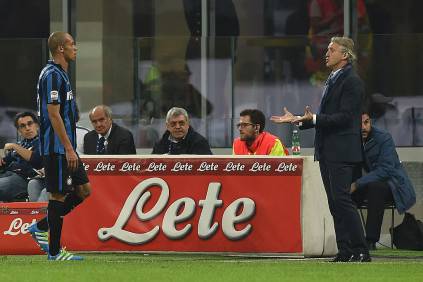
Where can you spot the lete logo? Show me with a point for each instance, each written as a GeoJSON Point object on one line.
{"type": "Point", "coordinates": [17, 226]}
{"type": "Point", "coordinates": [206, 227]}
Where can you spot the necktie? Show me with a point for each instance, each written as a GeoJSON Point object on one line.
{"type": "Point", "coordinates": [328, 84]}
{"type": "Point", "coordinates": [101, 149]}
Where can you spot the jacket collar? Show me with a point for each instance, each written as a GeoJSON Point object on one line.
{"type": "Point", "coordinates": [347, 68]}
{"type": "Point", "coordinates": [166, 136]}
{"type": "Point", "coordinates": [109, 132]}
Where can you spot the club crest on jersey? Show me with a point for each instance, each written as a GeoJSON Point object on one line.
{"type": "Point", "coordinates": [69, 181]}
{"type": "Point", "coordinates": [54, 95]}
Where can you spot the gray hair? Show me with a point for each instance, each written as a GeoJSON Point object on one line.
{"type": "Point", "coordinates": [107, 111]}
{"type": "Point", "coordinates": [174, 112]}
{"type": "Point", "coordinates": [347, 45]}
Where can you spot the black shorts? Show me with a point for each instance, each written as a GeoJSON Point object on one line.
{"type": "Point", "coordinates": [58, 177]}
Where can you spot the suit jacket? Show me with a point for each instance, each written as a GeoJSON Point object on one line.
{"type": "Point", "coordinates": [383, 165]}
{"type": "Point", "coordinates": [119, 142]}
{"type": "Point", "coordinates": [338, 123]}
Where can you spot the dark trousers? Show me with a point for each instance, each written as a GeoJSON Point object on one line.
{"type": "Point", "coordinates": [375, 195]}
{"type": "Point", "coordinates": [337, 179]}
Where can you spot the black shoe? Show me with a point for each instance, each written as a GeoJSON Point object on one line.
{"type": "Point", "coordinates": [341, 258]}
{"type": "Point", "coordinates": [362, 257]}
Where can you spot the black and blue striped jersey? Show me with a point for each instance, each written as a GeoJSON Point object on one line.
{"type": "Point", "coordinates": [54, 88]}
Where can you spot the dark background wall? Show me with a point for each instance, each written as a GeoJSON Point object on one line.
{"type": "Point", "coordinates": [24, 26]}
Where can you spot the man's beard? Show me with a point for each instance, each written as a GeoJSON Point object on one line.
{"type": "Point", "coordinates": [364, 135]}
{"type": "Point", "coordinates": [248, 139]}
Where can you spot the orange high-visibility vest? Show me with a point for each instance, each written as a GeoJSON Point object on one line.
{"type": "Point", "coordinates": [265, 144]}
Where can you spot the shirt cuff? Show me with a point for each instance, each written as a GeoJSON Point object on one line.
{"type": "Point", "coordinates": [314, 119]}
{"type": "Point", "coordinates": [300, 123]}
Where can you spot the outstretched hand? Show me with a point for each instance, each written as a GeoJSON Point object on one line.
{"type": "Point", "coordinates": [286, 118]}
{"type": "Point", "coordinates": [308, 115]}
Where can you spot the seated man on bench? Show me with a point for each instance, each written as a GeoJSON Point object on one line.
{"type": "Point", "coordinates": [386, 180]}
{"type": "Point", "coordinates": [16, 166]}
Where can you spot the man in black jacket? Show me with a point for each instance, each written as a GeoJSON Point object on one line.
{"type": "Point", "coordinates": [180, 138]}
{"type": "Point", "coordinates": [107, 138]}
{"type": "Point", "coordinates": [337, 146]}
{"type": "Point", "coordinates": [16, 167]}
{"type": "Point", "coordinates": [386, 180]}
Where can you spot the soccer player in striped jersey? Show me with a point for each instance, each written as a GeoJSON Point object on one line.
{"type": "Point", "coordinates": [66, 179]}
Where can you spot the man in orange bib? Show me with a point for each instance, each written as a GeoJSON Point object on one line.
{"type": "Point", "coordinates": [253, 139]}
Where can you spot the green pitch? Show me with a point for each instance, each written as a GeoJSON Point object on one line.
{"type": "Point", "coordinates": [387, 265]}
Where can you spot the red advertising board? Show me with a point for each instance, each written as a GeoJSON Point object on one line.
{"type": "Point", "coordinates": [14, 221]}
{"type": "Point", "coordinates": [224, 205]}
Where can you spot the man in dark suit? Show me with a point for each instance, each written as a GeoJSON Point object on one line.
{"type": "Point", "coordinates": [338, 147]}
{"type": "Point", "coordinates": [107, 138]}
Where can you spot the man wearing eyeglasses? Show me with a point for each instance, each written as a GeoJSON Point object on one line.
{"type": "Point", "coordinates": [253, 139]}
{"type": "Point", "coordinates": [180, 138]}
{"type": "Point", "coordinates": [16, 164]}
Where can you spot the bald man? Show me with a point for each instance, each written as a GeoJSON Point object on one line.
{"type": "Point", "coordinates": [67, 181]}
{"type": "Point", "coordinates": [107, 138]}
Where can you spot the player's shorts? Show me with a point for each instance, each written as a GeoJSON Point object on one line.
{"type": "Point", "coordinates": [58, 177]}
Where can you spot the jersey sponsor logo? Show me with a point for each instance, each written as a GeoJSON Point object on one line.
{"type": "Point", "coordinates": [69, 95]}
{"type": "Point", "coordinates": [54, 95]}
